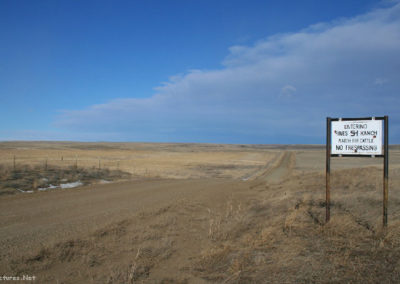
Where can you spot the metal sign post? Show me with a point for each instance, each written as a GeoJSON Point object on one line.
{"type": "Point", "coordinates": [386, 171]}
{"type": "Point", "coordinates": [358, 137]}
{"type": "Point", "coordinates": [328, 169]}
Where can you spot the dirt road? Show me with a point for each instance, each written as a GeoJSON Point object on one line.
{"type": "Point", "coordinates": [62, 214]}
{"type": "Point", "coordinates": [30, 222]}
{"type": "Point", "coordinates": [280, 169]}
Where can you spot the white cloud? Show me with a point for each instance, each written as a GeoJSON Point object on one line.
{"type": "Point", "coordinates": [330, 67]}
{"type": "Point", "coordinates": [380, 81]}
{"type": "Point", "coordinates": [288, 91]}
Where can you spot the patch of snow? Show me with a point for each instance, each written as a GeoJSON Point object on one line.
{"type": "Point", "coordinates": [46, 188]}
{"type": "Point", "coordinates": [63, 185]}
{"type": "Point", "coordinates": [104, 181]}
{"type": "Point", "coordinates": [24, 191]}
{"type": "Point", "coordinates": [71, 184]}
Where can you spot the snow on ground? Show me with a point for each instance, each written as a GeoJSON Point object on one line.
{"type": "Point", "coordinates": [71, 184]}
{"type": "Point", "coordinates": [62, 185]}
{"type": "Point", "coordinates": [25, 191]}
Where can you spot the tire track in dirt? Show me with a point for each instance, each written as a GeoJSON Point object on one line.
{"type": "Point", "coordinates": [255, 175]}
{"type": "Point", "coordinates": [281, 168]}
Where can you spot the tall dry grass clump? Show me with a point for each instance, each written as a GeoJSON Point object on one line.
{"type": "Point", "coordinates": [283, 237]}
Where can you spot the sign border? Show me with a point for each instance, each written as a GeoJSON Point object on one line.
{"type": "Point", "coordinates": [350, 119]}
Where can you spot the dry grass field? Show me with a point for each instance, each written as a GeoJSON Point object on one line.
{"type": "Point", "coordinates": [142, 159]}
{"type": "Point", "coordinates": [196, 213]}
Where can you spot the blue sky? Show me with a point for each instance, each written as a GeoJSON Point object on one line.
{"type": "Point", "coordinates": [195, 71]}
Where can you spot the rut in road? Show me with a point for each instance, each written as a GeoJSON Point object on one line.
{"type": "Point", "coordinates": [281, 168]}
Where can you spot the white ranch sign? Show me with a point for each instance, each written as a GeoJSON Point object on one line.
{"type": "Point", "coordinates": [356, 137]}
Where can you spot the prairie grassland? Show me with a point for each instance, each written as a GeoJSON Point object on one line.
{"type": "Point", "coordinates": [142, 159]}
{"type": "Point", "coordinates": [268, 229]}
{"type": "Point", "coordinates": [26, 166]}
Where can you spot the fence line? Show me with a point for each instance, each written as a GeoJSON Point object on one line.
{"type": "Point", "coordinates": [63, 161]}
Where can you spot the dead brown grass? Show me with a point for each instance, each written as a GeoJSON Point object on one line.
{"type": "Point", "coordinates": [281, 240]}
{"type": "Point", "coordinates": [243, 232]}
{"type": "Point", "coordinates": [143, 159]}
{"type": "Point", "coordinates": [278, 237]}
